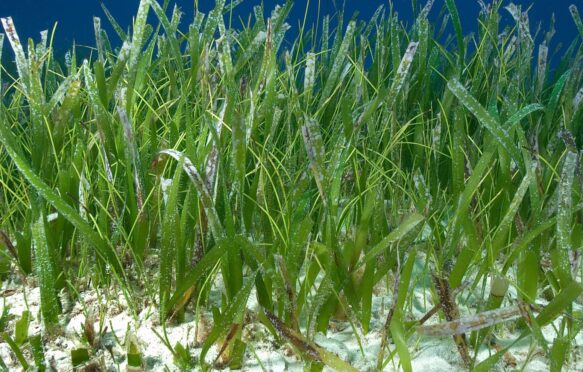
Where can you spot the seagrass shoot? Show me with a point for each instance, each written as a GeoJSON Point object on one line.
{"type": "Point", "coordinates": [197, 191]}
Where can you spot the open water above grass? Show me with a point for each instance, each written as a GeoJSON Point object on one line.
{"type": "Point", "coordinates": [75, 22]}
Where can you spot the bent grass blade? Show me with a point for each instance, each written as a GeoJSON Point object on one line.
{"type": "Point", "coordinates": [521, 114]}
{"type": "Point", "coordinates": [403, 229]}
{"type": "Point", "coordinates": [500, 134]}
{"type": "Point", "coordinates": [201, 188]}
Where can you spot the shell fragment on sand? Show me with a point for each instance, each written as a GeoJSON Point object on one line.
{"type": "Point", "coordinates": [477, 321]}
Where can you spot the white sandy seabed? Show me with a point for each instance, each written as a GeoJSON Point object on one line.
{"type": "Point", "coordinates": [428, 354]}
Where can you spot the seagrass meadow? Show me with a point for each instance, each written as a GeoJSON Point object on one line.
{"type": "Point", "coordinates": [368, 196]}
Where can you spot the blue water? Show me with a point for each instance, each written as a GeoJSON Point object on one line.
{"type": "Point", "coordinates": [75, 24]}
